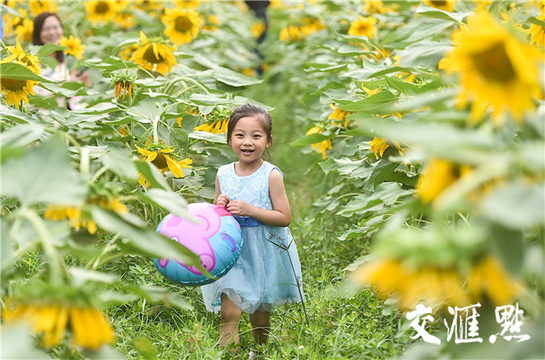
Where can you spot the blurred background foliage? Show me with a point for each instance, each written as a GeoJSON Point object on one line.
{"type": "Point", "coordinates": [412, 134]}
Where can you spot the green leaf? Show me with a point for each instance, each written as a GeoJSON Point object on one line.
{"type": "Point", "coordinates": [44, 174]}
{"type": "Point", "coordinates": [463, 146]}
{"type": "Point", "coordinates": [22, 135]}
{"type": "Point", "coordinates": [536, 21]}
{"type": "Point", "coordinates": [111, 63]}
{"type": "Point", "coordinates": [403, 86]}
{"type": "Point", "coordinates": [47, 49]}
{"type": "Point", "coordinates": [162, 295]}
{"type": "Point", "coordinates": [424, 53]}
{"type": "Point", "coordinates": [15, 115]}
{"type": "Point", "coordinates": [233, 78]}
{"type": "Point", "coordinates": [152, 175]}
{"type": "Point", "coordinates": [389, 174]}
{"type": "Point", "coordinates": [457, 17]}
{"type": "Point", "coordinates": [119, 161]}
{"type": "Point", "coordinates": [19, 72]}
{"type": "Point", "coordinates": [7, 254]}
{"type": "Point", "coordinates": [516, 206]}
{"type": "Point", "coordinates": [374, 103]}
{"type": "Point", "coordinates": [208, 100]}
{"type": "Point", "coordinates": [210, 137]}
{"type": "Point", "coordinates": [311, 139]}
{"type": "Point", "coordinates": [142, 241]}
{"type": "Point", "coordinates": [352, 169]}
{"type": "Point", "coordinates": [170, 201]}
{"type": "Point", "coordinates": [81, 276]}
{"type": "Point", "coordinates": [101, 108]}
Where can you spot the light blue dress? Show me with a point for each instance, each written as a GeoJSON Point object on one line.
{"type": "Point", "coordinates": [268, 272]}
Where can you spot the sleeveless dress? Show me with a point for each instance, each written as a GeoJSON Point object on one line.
{"type": "Point", "coordinates": [268, 271]}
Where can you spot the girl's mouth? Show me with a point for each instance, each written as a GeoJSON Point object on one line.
{"type": "Point", "coordinates": [247, 151]}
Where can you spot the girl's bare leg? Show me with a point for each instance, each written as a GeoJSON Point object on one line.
{"type": "Point", "coordinates": [230, 317]}
{"type": "Point", "coordinates": [261, 326]}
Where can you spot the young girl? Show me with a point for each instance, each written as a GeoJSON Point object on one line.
{"type": "Point", "coordinates": [268, 271]}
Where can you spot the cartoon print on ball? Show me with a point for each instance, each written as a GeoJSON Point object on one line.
{"type": "Point", "coordinates": [216, 239]}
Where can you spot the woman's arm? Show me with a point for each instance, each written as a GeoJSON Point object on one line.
{"type": "Point", "coordinates": [280, 216]}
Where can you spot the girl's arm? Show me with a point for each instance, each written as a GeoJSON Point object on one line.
{"type": "Point", "coordinates": [219, 198]}
{"type": "Point", "coordinates": [280, 216]}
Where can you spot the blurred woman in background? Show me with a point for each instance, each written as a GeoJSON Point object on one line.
{"type": "Point", "coordinates": [48, 30]}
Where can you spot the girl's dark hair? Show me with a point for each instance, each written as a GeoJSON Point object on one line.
{"type": "Point", "coordinates": [250, 110]}
{"type": "Point", "coordinates": [38, 26]}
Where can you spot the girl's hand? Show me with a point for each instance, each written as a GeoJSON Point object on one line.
{"type": "Point", "coordinates": [223, 200]}
{"type": "Point", "coordinates": [238, 207]}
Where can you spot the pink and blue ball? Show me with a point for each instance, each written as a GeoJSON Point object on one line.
{"type": "Point", "coordinates": [216, 239]}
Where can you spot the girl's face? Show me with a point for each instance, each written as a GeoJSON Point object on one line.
{"type": "Point", "coordinates": [51, 31]}
{"type": "Point", "coordinates": [249, 139]}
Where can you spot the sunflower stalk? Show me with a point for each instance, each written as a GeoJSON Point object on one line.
{"type": "Point", "coordinates": [55, 276]}
{"type": "Point", "coordinates": [84, 161]}
{"type": "Point", "coordinates": [155, 123]}
{"type": "Point", "coordinates": [109, 247]}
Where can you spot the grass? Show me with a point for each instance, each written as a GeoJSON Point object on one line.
{"type": "Point", "coordinates": [341, 326]}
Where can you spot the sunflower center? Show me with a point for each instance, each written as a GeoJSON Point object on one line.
{"type": "Point", "coordinates": [160, 161]}
{"type": "Point", "coordinates": [150, 57]}
{"type": "Point", "coordinates": [494, 64]}
{"type": "Point", "coordinates": [102, 7]}
{"type": "Point", "coordinates": [182, 24]}
{"type": "Point", "coordinates": [12, 84]}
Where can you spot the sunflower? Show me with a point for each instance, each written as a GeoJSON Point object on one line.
{"type": "Point", "coordinates": [489, 277]}
{"type": "Point", "coordinates": [17, 91]}
{"type": "Point", "coordinates": [187, 4]}
{"type": "Point", "coordinates": [89, 327]}
{"type": "Point", "coordinates": [311, 25]}
{"type": "Point", "coordinates": [128, 51]}
{"type": "Point", "coordinates": [496, 70]}
{"type": "Point", "coordinates": [447, 5]}
{"type": "Point", "coordinates": [291, 33]}
{"type": "Point", "coordinates": [379, 145]}
{"type": "Point", "coordinates": [155, 55]}
{"type": "Point", "coordinates": [537, 33]}
{"type": "Point", "coordinates": [374, 7]}
{"type": "Point", "coordinates": [363, 26]}
{"type": "Point", "coordinates": [79, 216]}
{"type": "Point", "coordinates": [436, 286]}
{"type": "Point", "coordinates": [212, 22]}
{"type": "Point", "coordinates": [103, 10]}
{"type": "Point", "coordinates": [163, 158]}
{"type": "Point", "coordinates": [25, 30]}
{"type": "Point", "coordinates": [257, 28]}
{"type": "Point", "coordinates": [125, 19]}
{"type": "Point", "coordinates": [73, 45]}
{"type": "Point", "coordinates": [182, 25]}
{"type": "Point", "coordinates": [214, 127]}
{"type": "Point", "coordinates": [38, 7]}
{"type": "Point", "coordinates": [339, 116]}
{"type": "Point", "coordinates": [322, 146]}
{"type": "Point", "coordinates": [435, 177]}
{"type": "Point", "coordinates": [123, 86]}
{"type": "Point", "coordinates": [17, 54]}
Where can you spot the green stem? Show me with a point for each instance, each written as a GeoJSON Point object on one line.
{"type": "Point", "coordinates": [110, 246]}
{"type": "Point", "coordinates": [84, 161]}
{"type": "Point", "coordinates": [155, 130]}
{"type": "Point", "coordinates": [55, 275]}
{"type": "Point", "coordinates": [99, 173]}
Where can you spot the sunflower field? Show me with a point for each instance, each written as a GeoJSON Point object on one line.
{"type": "Point", "coordinates": [411, 134]}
